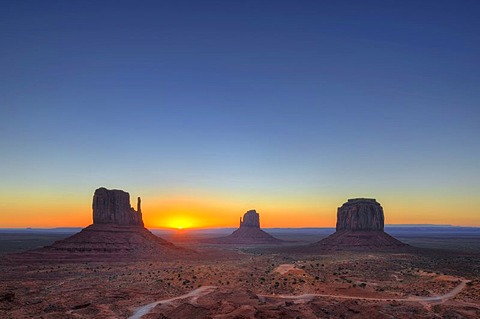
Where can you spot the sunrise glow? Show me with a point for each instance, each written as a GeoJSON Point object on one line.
{"type": "Point", "coordinates": [206, 113]}
{"type": "Point", "coordinates": [180, 222]}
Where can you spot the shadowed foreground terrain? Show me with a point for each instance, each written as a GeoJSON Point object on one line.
{"type": "Point", "coordinates": [249, 282]}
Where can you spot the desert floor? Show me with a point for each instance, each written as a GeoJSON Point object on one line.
{"type": "Point", "coordinates": [248, 282]}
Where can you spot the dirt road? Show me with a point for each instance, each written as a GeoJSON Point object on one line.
{"type": "Point", "coordinates": [433, 299]}
{"type": "Point", "coordinates": [195, 294]}
{"type": "Point", "coordinates": [143, 310]}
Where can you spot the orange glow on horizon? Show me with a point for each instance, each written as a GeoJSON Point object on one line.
{"type": "Point", "coordinates": [207, 212]}
{"type": "Point", "coordinates": [180, 222]}
{"type": "Point", "coordinates": [196, 212]}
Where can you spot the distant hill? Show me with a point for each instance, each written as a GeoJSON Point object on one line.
{"type": "Point", "coordinates": [420, 225]}
{"type": "Point", "coordinates": [57, 230]}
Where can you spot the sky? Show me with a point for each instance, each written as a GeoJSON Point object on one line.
{"type": "Point", "coordinates": [207, 109]}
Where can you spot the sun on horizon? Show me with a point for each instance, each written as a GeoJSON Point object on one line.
{"type": "Point", "coordinates": [180, 222]}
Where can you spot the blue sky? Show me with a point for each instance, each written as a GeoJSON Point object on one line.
{"type": "Point", "coordinates": [317, 99]}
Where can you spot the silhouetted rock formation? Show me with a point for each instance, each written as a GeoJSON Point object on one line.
{"type": "Point", "coordinates": [250, 219]}
{"type": "Point", "coordinates": [360, 224]}
{"type": "Point", "coordinates": [113, 207]}
{"type": "Point", "coordinates": [360, 214]}
{"type": "Point", "coordinates": [249, 232]}
{"type": "Point", "coordinates": [117, 232]}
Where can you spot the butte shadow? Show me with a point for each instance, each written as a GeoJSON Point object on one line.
{"type": "Point", "coordinates": [117, 233]}
{"type": "Point", "coordinates": [249, 233]}
{"type": "Point", "coordinates": [360, 226]}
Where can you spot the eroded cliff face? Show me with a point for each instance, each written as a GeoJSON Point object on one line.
{"type": "Point", "coordinates": [113, 207]}
{"type": "Point", "coordinates": [360, 214]}
{"type": "Point", "coordinates": [250, 219]}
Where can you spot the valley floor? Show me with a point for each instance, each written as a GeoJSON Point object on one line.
{"type": "Point", "coordinates": [247, 284]}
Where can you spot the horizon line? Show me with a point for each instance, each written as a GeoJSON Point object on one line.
{"type": "Point", "coordinates": [235, 227]}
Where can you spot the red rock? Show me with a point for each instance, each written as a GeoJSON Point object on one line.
{"type": "Point", "coordinates": [249, 232]}
{"type": "Point", "coordinates": [98, 238]}
{"type": "Point", "coordinates": [360, 240]}
{"type": "Point", "coordinates": [360, 224]}
{"type": "Point", "coordinates": [113, 207]}
{"type": "Point", "coordinates": [117, 232]}
{"type": "Point", "coordinates": [360, 214]}
{"type": "Point", "coordinates": [250, 219]}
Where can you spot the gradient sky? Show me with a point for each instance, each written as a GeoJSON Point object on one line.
{"type": "Point", "coordinates": [209, 108]}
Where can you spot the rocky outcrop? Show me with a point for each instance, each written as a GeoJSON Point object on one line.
{"type": "Point", "coordinates": [250, 219]}
{"type": "Point", "coordinates": [360, 214]}
{"type": "Point", "coordinates": [248, 233]}
{"type": "Point", "coordinates": [117, 233]}
{"type": "Point", "coordinates": [360, 226]}
{"type": "Point", "coordinates": [113, 207]}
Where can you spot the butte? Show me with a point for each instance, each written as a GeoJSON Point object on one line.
{"type": "Point", "coordinates": [248, 233]}
{"type": "Point", "coordinates": [360, 226]}
{"type": "Point", "coordinates": [117, 232]}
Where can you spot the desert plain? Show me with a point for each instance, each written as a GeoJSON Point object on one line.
{"type": "Point", "coordinates": [269, 281]}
